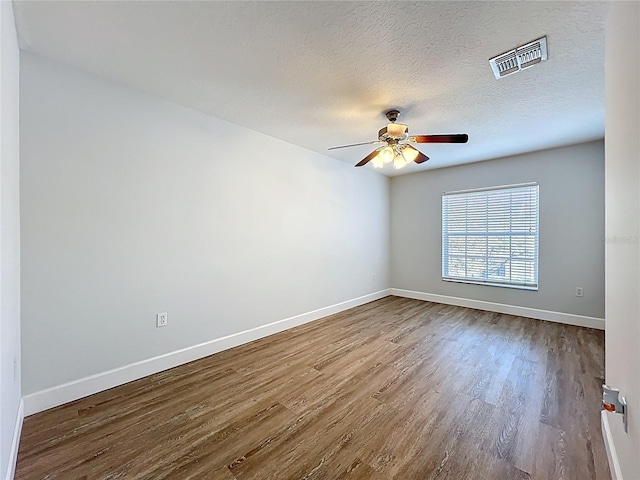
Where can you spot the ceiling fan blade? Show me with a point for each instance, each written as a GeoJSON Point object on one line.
{"type": "Point", "coordinates": [367, 159]}
{"type": "Point", "coordinates": [453, 138]}
{"type": "Point", "coordinates": [356, 144]}
{"type": "Point", "coordinates": [419, 156]}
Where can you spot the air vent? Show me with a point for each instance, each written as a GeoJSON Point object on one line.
{"type": "Point", "coordinates": [519, 58]}
{"type": "Point", "coordinates": [505, 64]}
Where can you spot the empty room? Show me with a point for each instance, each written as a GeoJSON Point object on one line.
{"type": "Point", "coordinates": [280, 240]}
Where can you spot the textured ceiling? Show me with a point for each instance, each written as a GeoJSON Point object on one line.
{"type": "Point", "coordinates": [319, 74]}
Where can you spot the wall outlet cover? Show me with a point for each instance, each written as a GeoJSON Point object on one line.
{"type": "Point", "coordinates": [162, 319]}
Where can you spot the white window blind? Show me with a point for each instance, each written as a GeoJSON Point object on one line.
{"type": "Point", "coordinates": [490, 236]}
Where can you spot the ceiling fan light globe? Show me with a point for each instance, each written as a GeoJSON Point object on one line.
{"type": "Point", "coordinates": [399, 162]}
{"type": "Point", "coordinates": [387, 154]}
{"type": "Point", "coordinates": [410, 153]}
{"type": "Point", "coordinates": [377, 162]}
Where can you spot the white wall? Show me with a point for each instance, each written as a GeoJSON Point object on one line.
{"type": "Point", "coordinates": [571, 249]}
{"type": "Point", "coordinates": [133, 205]}
{"type": "Point", "coordinates": [9, 238]}
{"type": "Point", "coordinates": [622, 348]}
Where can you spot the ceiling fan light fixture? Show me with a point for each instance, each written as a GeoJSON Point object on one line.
{"type": "Point", "coordinates": [399, 162]}
{"type": "Point", "coordinates": [410, 153]}
{"type": "Point", "coordinates": [377, 162]}
{"type": "Point", "coordinates": [387, 154]}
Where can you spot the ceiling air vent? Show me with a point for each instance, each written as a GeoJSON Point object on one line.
{"type": "Point", "coordinates": [519, 58]}
{"type": "Point", "coordinates": [505, 64]}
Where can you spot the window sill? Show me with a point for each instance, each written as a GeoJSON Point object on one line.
{"type": "Point", "coordinates": [489, 284]}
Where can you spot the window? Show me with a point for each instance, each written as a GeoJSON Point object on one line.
{"type": "Point", "coordinates": [490, 236]}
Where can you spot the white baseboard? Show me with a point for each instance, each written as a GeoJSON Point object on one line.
{"type": "Point", "coordinates": [568, 318]}
{"type": "Point", "coordinates": [614, 464]}
{"type": "Point", "coordinates": [15, 443]}
{"type": "Point", "coordinates": [61, 394]}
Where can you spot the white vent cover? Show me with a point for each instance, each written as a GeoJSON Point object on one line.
{"type": "Point", "coordinates": [519, 58]}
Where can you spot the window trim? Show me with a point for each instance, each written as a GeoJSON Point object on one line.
{"type": "Point", "coordinates": [492, 283]}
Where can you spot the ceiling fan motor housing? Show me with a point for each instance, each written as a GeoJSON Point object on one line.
{"type": "Point", "coordinates": [393, 133]}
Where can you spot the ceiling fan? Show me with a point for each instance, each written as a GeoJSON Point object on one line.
{"type": "Point", "coordinates": [397, 148]}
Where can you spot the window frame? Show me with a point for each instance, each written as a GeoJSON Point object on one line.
{"type": "Point", "coordinates": [445, 235]}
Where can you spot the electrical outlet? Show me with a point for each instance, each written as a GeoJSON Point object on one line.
{"type": "Point", "coordinates": [162, 319]}
{"type": "Point", "coordinates": [579, 292]}
{"type": "Point", "coordinates": [374, 276]}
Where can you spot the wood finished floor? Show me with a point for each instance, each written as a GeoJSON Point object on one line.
{"type": "Point", "coordinates": [395, 389]}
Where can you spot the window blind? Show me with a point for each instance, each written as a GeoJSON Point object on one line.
{"type": "Point", "coordinates": [490, 236]}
